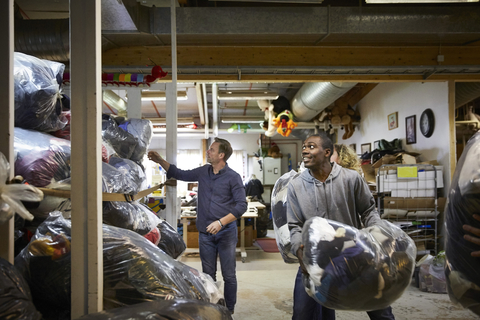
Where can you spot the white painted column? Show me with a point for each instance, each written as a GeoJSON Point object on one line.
{"type": "Point", "coordinates": [205, 104]}
{"type": "Point", "coordinates": [86, 106]}
{"type": "Point", "coordinates": [215, 109]}
{"type": "Point", "coordinates": [171, 121]}
{"type": "Point", "coordinates": [7, 113]}
{"type": "Point", "coordinates": [134, 104]}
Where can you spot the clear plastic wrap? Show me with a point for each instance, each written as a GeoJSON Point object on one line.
{"type": "Point", "coordinates": [171, 242]}
{"type": "Point", "coordinates": [41, 158]}
{"type": "Point", "coordinates": [279, 213]}
{"type": "Point", "coordinates": [129, 215]}
{"type": "Point", "coordinates": [176, 309]}
{"type": "Point", "coordinates": [432, 274]}
{"type": "Point", "coordinates": [463, 270]}
{"type": "Point", "coordinates": [142, 130]}
{"type": "Point", "coordinates": [15, 298]}
{"type": "Point", "coordinates": [123, 142]}
{"type": "Point", "coordinates": [351, 269]}
{"type": "Point", "coordinates": [131, 170]}
{"type": "Point", "coordinates": [38, 103]}
{"type": "Point", "coordinates": [134, 269]}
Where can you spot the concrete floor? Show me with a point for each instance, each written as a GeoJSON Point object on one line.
{"type": "Point", "coordinates": [265, 290]}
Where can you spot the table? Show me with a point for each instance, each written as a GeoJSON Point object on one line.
{"type": "Point", "coordinates": [252, 212]}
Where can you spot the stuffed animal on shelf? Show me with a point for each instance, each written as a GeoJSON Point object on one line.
{"type": "Point", "coordinates": [274, 151]}
{"type": "Point", "coordinates": [284, 123]}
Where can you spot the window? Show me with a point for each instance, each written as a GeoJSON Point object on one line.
{"type": "Point", "coordinates": [237, 163]}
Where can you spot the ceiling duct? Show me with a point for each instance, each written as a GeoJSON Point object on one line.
{"type": "Point", "coordinates": [466, 92]}
{"type": "Point", "coordinates": [313, 97]}
{"type": "Point", "coordinates": [44, 39]}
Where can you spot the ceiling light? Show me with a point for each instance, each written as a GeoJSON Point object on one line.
{"type": "Point", "coordinates": [418, 1]}
{"type": "Point", "coordinates": [242, 120]}
{"type": "Point", "coordinates": [163, 121]}
{"type": "Point", "coordinates": [247, 95]}
{"type": "Point", "coordinates": [161, 96]}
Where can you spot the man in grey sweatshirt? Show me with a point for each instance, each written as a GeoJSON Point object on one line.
{"type": "Point", "coordinates": [329, 191]}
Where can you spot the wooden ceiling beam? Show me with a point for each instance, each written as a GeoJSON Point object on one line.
{"type": "Point", "coordinates": [225, 56]}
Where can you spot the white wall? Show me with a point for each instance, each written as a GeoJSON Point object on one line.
{"type": "Point", "coordinates": [407, 99]}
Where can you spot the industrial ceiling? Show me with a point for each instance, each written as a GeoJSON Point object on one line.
{"type": "Point", "coordinates": [278, 45]}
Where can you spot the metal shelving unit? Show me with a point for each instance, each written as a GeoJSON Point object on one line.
{"type": "Point", "coordinates": [407, 197]}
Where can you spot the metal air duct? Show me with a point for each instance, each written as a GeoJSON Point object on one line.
{"type": "Point", "coordinates": [44, 39]}
{"type": "Point", "coordinates": [313, 97]}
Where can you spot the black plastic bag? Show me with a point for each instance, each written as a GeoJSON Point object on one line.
{"type": "Point", "coordinates": [15, 298]}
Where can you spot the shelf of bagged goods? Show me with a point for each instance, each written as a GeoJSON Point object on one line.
{"type": "Point", "coordinates": [407, 197]}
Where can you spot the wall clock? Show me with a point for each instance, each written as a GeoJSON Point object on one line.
{"type": "Point", "coordinates": [427, 122]}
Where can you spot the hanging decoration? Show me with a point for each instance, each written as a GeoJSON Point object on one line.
{"type": "Point", "coordinates": [284, 123]}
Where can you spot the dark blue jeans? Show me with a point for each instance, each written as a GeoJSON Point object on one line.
{"type": "Point", "coordinates": [305, 307]}
{"type": "Point", "coordinates": [223, 245]}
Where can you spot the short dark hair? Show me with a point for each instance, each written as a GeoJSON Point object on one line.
{"type": "Point", "coordinates": [224, 147]}
{"type": "Point", "coordinates": [326, 141]}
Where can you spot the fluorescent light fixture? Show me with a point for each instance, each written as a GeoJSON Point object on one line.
{"type": "Point", "coordinates": [419, 1]}
{"type": "Point", "coordinates": [161, 96]}
{"type": "Point", "coordinates": [163, 121]}
{"type": "Point", "coordinates": [247, 95]}
{"type": "Point", "coordinates": [242, 120]}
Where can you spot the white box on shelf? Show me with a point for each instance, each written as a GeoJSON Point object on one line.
{"type": "Point", "coordinates": [426, 184]}
{"type": "Point", "coordinates": [422, 193]}
{"type": "Point", "coordinates": [392, 177]}
{"type": "Point", "coordinates": [400, 193]}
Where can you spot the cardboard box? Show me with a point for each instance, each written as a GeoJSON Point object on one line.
{"type": "Point", "coordinates": [249, 232]}
{"type": "Point", "coordinates": [413, 203]}
{"type": "Point", "coordinates": [250, 235]}
{"type": "Point", "coordinates": [192, 240]}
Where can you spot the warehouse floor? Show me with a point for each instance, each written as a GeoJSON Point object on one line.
{"type": "Point", "coordinates": [265, 289]}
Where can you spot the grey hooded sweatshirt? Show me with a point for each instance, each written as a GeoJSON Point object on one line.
{"type": "Point", "coordinates": [343, 197]}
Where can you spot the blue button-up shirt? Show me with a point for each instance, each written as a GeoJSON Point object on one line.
{"type": "Point", "coordinates": [218, 194]}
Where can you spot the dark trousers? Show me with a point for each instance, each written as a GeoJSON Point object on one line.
{"type": "Point", "coordinates": [305, 307]}
{"type": "Point", "coordinates": [223, 245]}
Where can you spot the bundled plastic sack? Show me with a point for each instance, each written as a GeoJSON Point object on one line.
{"type": "Point", "coordinates": [15, 298]}
{"type": "Point", "coordinates": [463, 270]}
{"type": "Point", "coordinates": [129, 215]}
{"type": "Point", "coordinates": [37, 84]}
{"type": "Point", "coordinates": [132, 171]}
{"type": "Point", "coordinates": [177, 309]}
{"type": "Point", "coordinates": [142, 130]}
{"type": "Point", "coordinates": [432, 273]}
{"type": "Point", "coordinates": [351, 269]}
{"type": "Point", "coordinates": [134, 269]}
{"type": "Point", "coordinates": [279, 213]}
{"type": "Point", "coordinates": [41, 158]}
{"type": "Point", "coordinates": [123, 142]}
{"type": "Point", "coordinates": [171, 242]}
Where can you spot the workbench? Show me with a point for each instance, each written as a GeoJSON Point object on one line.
{"type": "Point", "coordinates": [252, 212]}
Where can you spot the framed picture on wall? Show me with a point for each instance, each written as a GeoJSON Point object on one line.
{"type": "Point", "coordinates": [411, 129]}
{"type": "Point", "coordinates": [366, 148]}
{"type": "Point", "coordinates": [392, 120]}
{"type": "Point", "coordinates": [353, 146]}
{"type": "Point", "coordinates": [376, 144]}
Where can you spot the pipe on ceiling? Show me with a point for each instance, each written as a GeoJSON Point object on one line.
{"type": "Point", "coordinates": [313, 97]}
{"type": "Point", "coordinates": [45, 39]}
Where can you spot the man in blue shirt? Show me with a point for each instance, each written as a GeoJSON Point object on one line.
{"type": "Point", "coordinates": [221, 201]}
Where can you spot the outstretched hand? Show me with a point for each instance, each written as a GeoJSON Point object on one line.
{"type": "Point", "coordinates": [154, 156]}
{"type": "Point", "coordinates": [473, 239]}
